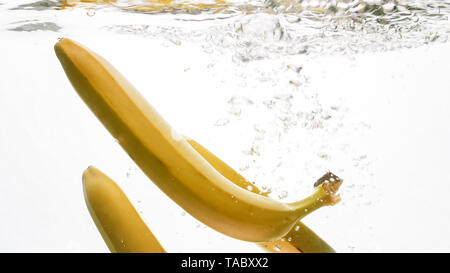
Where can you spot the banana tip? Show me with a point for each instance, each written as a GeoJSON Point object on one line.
{"type": "Point", "coordinates": [91, 170]}
{"type": "Point", "coordinates": [59, 45]}
{"type": "Point", "coordinates": [61, 39]}
{"type": "Point", "coordinates": [58, 42]}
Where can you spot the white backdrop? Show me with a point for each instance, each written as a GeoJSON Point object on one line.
{"type": "Point", "coordinates": [395, 193]}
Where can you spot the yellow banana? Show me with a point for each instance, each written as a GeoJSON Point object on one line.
{"type": "Point", "coordinates": [172, 164]}
{"type": "Point", "coordinates": [120, 225]}
{"type": "Point", "coordinates": [124, 231]}
{"type": "Point", "coordinates": [299, 238]}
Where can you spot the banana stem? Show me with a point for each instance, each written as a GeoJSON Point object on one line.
{"type": "Point", "coordinates": [325, 195]}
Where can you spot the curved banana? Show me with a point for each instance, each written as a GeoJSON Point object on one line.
{"type": "Point", "coordinates": [299, 238]}
{"type": "Point", "coordinates": [120, 225]}
{"type": "Point", "coordinates": [124, 231]}
{"type": "Point", "coordinates": [172, 164]}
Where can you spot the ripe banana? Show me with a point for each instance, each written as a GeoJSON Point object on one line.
{"type": "Point", "coordinates": [120, 225]}
{"type": "Point", "coordinates": [124, 231]}
{"type": "Point", "coordinates": [299, 238]}
{"type": "Point", "coordinates": [172, 164]}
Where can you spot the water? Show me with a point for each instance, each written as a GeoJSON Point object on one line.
{"type": "Point", "coordinates": [272, 28]}
{"type": "Point", "coordinates": [260, 94]}
{"type": "Point", "coordinates": [278, 27]}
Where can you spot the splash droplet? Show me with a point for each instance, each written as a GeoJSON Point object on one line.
{"type": "Point", "coordinates": [277, 247]}
{"type": "Point", "coordinates": [90, 12]}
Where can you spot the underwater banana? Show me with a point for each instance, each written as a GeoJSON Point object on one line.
{"type": "Point", "coordinates": [300, 237]}
{"type": "Point", "coordinates": [124, 231]}
{"type": "Point", "coordinates": [120, 225]}
{"type": "Point", "coordinates": [172, 164]}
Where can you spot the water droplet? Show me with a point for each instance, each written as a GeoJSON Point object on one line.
{"type": "Point", "coordinates": [295, 68]}
{"type": "Point", "coordinates": [277, 247]}
{"type": "Point", "coordinates": [235, 111]}
{"type": "Point", "coordinates": [297, 228]}
{"type": "Point", "coordinates": [90, 12]}
{"type": "Point", "coordinates": [262, 27]}
{"type": "Point", "coordinates": [238, 100]}
{"type": "Point", "coordinates": [283, 195]}
{"type": "Point", "coordinates": [222, 122]}
{"type": "Point", "coordinates": [250, 188]}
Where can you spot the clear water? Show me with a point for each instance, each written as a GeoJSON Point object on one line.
{"type": "Point", "coordinates": [259, 54]}
{"type": "Point", "coordinates": [264, 29]}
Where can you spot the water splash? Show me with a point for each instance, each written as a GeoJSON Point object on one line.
{"type": "Point", "coordinates": [276, 29]}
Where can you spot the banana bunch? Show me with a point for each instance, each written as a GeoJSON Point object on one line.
{"type": "Point", "coordinates": [190, 175]}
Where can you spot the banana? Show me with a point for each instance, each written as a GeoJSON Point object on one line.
{"type": "Point", "coordinates": [120, 225]}
{"type": "Point", "coordinates": [172, 164]}
{"type": "Point", "coordinates": [299, 239]}
{"type": "Point", "coordinates": [124, 231]}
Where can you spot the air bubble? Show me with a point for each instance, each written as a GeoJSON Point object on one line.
{"type": "Point", "coordinates": [90, 12]}
{"type": "Point", "coordinates": [277, 247]}
{"type": "Point", "coordinates": [283, 195]}
{"type": "Point", "coordinates": [222, 122]}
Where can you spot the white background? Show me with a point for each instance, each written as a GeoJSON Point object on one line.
{"type": "Point", "coordinates": [396, 202]}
